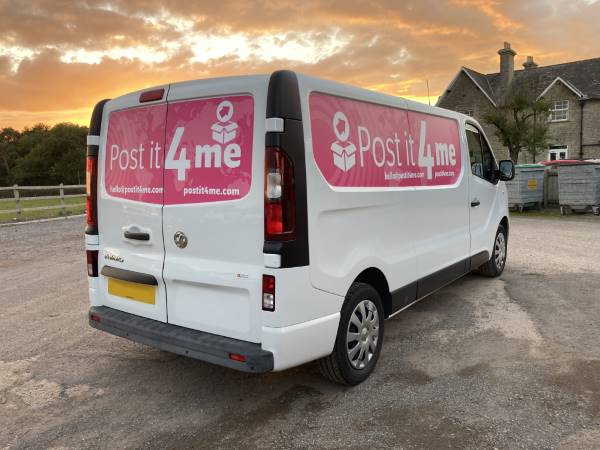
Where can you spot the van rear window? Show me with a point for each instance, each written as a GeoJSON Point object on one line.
{"type": "Point", "coordinates": [133, 158]}
{"type": "Point", "coordinates": [193, 151]}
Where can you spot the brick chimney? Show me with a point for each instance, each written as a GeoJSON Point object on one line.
{"type": "Point", "coordinates": [530, 63]}
{"type": "Point", "coordinates": [507, 64]}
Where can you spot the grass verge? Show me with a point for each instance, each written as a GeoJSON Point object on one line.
{"type": "Point", "coordinates": [7, 213]}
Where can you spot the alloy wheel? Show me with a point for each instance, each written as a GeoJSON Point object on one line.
{"type": "Point", "coordinates": [500, 251]}
{"type": "Point", "coordinates": [362, 336]}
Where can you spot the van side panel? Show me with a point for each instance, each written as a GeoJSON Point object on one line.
{"type": "Point", "coordinates": [392, 190]}
{"type": "Point", "coordinates": [442, 237]}
{"type": "Point", "coordinates": [484, 219]}
{"type": "Point", "coordinates": [352, 231]}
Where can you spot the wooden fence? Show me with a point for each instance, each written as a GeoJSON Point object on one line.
{"type": "Point", "coordinates": [18, 198]}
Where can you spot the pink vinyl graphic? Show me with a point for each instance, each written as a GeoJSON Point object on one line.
{"type": "Point", "coordinates": [133, 160]}
{"type": "Point", "coordinates": [209, 150]}
{"type": "Point", "coordinates": [359, 144]}
{"type": "Point", "coordinates": [207, 155]}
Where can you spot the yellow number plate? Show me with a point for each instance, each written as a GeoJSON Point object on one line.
{"type": "Point", "coordinates": [134, 291]}
{"type": "Point", "coordinates": [532, 184]}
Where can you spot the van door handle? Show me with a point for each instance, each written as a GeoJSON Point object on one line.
{"type": "Point", "coordinates": [136, 235]}
{"type": "Point", "coordinates": [475, 202]}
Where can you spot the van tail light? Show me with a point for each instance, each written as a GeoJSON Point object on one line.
{"type": "Point", "coordinates": [91, 191]}
{"type": "Point", "coordinates": [268, 288]}
{"type": "Point", "coordinates": [92, 262]}
{"type": "Point", "coordinates": [280, 201]}
{"type": "Point", "coordinates": [152, 96]}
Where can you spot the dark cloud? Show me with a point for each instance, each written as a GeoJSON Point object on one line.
{"type": "Point", "coordinates": [391, 46]}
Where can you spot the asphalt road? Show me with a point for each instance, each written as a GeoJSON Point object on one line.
{"type": "Point", "coordinates": [507, 363]}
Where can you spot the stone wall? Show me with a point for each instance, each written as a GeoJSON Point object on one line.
{"type": "Point", "coordinates": [465, 95]}
{"type": "Point", "coordinates": [591, 129]}
{"type": "Point", "coordinates": [567, 132]}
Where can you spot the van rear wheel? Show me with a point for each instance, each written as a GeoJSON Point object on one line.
{"type": "Point", "coordinates": [359, 338]}
{"type": "Point", "coordinates": [495, 266]}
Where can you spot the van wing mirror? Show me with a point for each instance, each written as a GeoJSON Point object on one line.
{"type": "Point", "coordinates": [506, 170]}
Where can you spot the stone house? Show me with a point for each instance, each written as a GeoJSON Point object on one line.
{"type": "Point", "coordinates": [572, 89]}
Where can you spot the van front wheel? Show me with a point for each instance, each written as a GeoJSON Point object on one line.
{"type": "Point", "coordinates": [359, 338]}
{"type": "Point", "coordinates": [495, 266]}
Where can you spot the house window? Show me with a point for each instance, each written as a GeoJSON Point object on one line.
{"type": "Point", "coordinates": [559, 112]}
{"type": "Point", "coordinates": [557, 152]}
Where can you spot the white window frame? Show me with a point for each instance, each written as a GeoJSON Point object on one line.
{"type": "Point", "coordinates": [557, 150]}
{"type": "Point", "coordinates": [558, 107]}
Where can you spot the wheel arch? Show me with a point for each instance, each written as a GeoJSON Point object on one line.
{"type": "Point", "coordinates": [376, 278]}
{"type": "Point", "coordinates": [504, 223]}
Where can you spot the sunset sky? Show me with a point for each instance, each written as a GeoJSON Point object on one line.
{"type": "Point", "coordinates": [58, 58]}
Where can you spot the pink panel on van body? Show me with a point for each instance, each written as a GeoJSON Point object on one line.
{"type": "Point", "coordinates": [207, 156]}
{"type": "Point", "coordinates": [217, 135]}
{"type": "Point", "coordinates": [359, 144]}
{"type": "Point", "coordinates": [132, 170]}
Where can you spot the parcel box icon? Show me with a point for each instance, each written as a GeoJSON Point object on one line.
{"type": "Point", "coordinates": [224, 132]}
{"type": "Point", "coordinates": [344, 155]}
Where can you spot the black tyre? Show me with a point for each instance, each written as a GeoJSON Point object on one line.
{"type": "Point", "coordinates": [359, 338]}
{"type": "Point", "coordinates": [495, 266]}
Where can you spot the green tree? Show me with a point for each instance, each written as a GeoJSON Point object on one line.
{"type": "Point", "coordinates": [51, 155]}
{"type": "Point", "coordinates": [521, 124]}
{"type": "Point", "coordinates": [69, 142]}
{"type": "Point", "coordinates": [536, 140]}
{"type": "Point", "coordinates": [8, 154]}
{"type": "Point", "coordinates": [34, 162]}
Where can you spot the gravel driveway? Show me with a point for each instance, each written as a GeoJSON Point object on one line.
{"type": "Point", "coordinates": [512, 362]}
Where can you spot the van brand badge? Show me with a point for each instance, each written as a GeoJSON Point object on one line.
{"type": "Point", "coordinates": [112, 257]}
{"type": "Point", "coordinates": [180, 239]}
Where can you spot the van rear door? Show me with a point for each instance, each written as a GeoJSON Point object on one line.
{"type": "Point", "coordinates": [213, 205]}
{"type": "Point", "coordinates": [130, 204]}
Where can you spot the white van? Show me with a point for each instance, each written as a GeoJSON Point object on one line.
{"type": "Point", "coordinates": [262, 222]}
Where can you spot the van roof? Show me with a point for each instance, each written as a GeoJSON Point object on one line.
{"type": "Point", "coordinates": [330, 87]}
{"type": "Point", "coordinates": [350, 91]}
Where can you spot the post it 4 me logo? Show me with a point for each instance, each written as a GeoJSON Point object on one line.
{"type": "Point", "coordinates": [391, 150]}
{"type": "Point", "coordinates": [223, 152]}
{"type": "Point", "coordinates": [224, 130]}
{"type": "Point", "coordinates": [344, 152]}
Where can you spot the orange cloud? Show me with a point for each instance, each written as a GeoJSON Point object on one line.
{"type": "Point", "coordinates": [58, 58]}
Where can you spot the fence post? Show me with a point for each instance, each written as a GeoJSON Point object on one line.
{"type": "Point", "coordinates": [63, 210]}
{"type": "Point", "coordinates": [17, 200]}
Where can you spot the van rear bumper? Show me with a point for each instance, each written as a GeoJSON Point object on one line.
{"type": "Point", "coordinates": [183, 341]}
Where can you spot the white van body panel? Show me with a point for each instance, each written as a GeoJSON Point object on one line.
{"type": "Point", "coordinates": [116, 215]}
{"type": "Point", "coordinates": [369, 224]}
{"type": "Point", "coordinates": [301, 343]}
{"type": "Point", "coordinates": [485, 218]}
{"type": "Point", "coordinates": [361, 221]}
{"type": "Point", "coordinates": [214, 284]}
{"type": "Point", "coordinates": [442, 231]}
{"type": "Point", "coordinates": [300, 301]}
